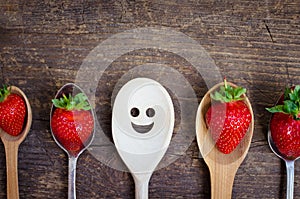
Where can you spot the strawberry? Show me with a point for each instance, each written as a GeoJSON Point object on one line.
{"type": "Point", "coordinates": [285, 123]}
{"type": "Point", "coordinates": [72, 122]}
{"type": "Point", "coordinates": [12, 112]}
{"type": "Point", "coordinates": [228, 118]}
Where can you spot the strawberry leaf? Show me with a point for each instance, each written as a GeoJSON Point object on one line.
{"type": "Point", "coordinates": [287, 92]}
{"type": "Point", "coordinates": [78, 102]}
{"type": "Point", "coordinates": [228, 93]}
{"type": "Point", "coordinates": [291, 103]}
{"type": "Point", "coordinates": [81, 102]}
{"type": "Point", "coordinates": [276, 109]}
{"type": "Point", "coordinates": [4, 92]}
{"type": "Point", "coordinates": [218, 96]}
{"type": "Point", "coordinates": [290, 107]}
{"type": "Point", "coordinates": [238, 92]}
{"type": "Point", "coordinates": [294, 94]}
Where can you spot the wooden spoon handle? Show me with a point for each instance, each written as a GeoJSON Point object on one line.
{"type": "Point", "coordinates": [11, 151]}
{"type": "Point", "coordinates": [221, 183]}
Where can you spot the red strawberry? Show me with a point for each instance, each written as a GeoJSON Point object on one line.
{"type": "Point", "coordinates": [12, 112]}
{"type": "Point", "coordinates": [285, 123]}
{"type": "Point", "coordinates": [72, 122]}
{"type": "Point", "coordinates": [228, 118]}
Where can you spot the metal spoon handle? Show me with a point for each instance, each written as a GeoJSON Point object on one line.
{"type": "Point", "coordinates": [72, 177]}
{"type": "Point", "coordinates": [141, 182]}
{"type": "Point", "coordinates": [290, 179]}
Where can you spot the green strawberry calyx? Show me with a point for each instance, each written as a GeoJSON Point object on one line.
{"type": "Point", "coordinates": [228, 93]}
{"type": "Point", "coordinates": [78, 102]}
{"type": "Point", "coordinates": [291, 103]}
{"type": "Point", "coordinates": [4, 92]}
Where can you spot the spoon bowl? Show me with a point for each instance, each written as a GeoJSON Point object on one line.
{"type": "Point", "coordinates": [145, 103]}
{"type": "Point", "coordinates": [222, 167]}
{"type": "Point", "coordinates": [11, 145]}
{"type": "Point", "coordinates": [73, 89]}
{"type": "Point", "coordinates": [289, 163]}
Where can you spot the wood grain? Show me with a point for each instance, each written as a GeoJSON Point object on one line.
{"type": "Point", "coordinates": [255, 44]}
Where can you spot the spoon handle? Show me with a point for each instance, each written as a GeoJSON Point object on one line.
{"type": "Point", "coordinates": [222, 178]}
{"type": "Point", "coordinates": [72, 177]}
{"type": "Point", "coordinates": [141, 185]}
{"type": "Point", "coordinates": [290, 179]}
{"type": "Point", "coordinates": [11, 152]}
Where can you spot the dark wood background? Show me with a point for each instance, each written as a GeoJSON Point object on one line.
{"type": "Point", "coordinates": [255, 44]}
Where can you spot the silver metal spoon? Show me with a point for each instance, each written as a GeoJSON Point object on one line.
{"type": "Point", "coordinates": [288, 162]}
{"type": "Point", "coordinates": [73, 89]}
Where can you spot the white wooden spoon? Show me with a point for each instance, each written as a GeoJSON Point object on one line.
{"type": "Point", "coordinates": [142, 126]}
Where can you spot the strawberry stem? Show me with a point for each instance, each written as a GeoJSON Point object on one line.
{"type": "Point", "coordinates": [228, 93]}
{"type": "Point", "coordinates": [225, 83]}
{"type": "Point", "coordinates": [78, 102]}
{"type": "Point", "coordinates": [291, 103]}
{"type": "Point", "coordinates": [4, 92]}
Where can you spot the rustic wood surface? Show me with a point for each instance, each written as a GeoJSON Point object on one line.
{"type": "Point", "coordinates": [255, 44]}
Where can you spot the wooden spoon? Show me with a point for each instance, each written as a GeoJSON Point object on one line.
{"type": "Point", "coordinates": [222, 167]}
{"type": "Point", "coordinates": [11, 145]}
{"type": "Point", "coordinates": [142, 151]}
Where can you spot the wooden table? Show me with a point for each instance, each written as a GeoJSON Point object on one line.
{"type": "Point", "coordinates": [43, 44]}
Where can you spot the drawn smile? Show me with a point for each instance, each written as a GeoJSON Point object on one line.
{"type": "Point", "coordinates": [142, 128]}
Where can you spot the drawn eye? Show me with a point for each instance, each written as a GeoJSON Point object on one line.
{"type": "Point", "coordinates": [134, 112]}
{"type": "Point", "coordinates": [150, 112]}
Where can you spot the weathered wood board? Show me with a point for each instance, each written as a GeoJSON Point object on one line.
{"type": "Point", "coordinates": [255, 44]}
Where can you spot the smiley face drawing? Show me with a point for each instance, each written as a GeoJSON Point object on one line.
{"type": "Point", "coordinates": [142, 124]}
{"type": "Point", "coordinates": [143, 108]}
{"type": "Point", "coordinates": [142, 128]}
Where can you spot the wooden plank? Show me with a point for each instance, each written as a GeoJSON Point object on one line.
{"type": "Point", "coordinates": [43, 44]}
